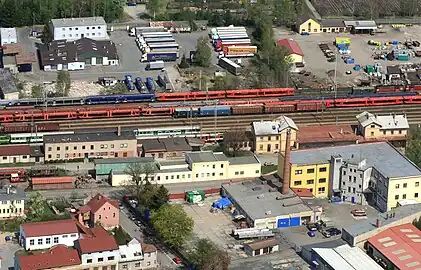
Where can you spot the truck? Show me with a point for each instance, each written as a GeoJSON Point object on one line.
{"type": "Point", "coordinates": [219, 44]}
{"type": "Point", "coordinates": [230, 66]}
{"type": "Point", "coordinates": [140, 85]}
{"type": "Point", "coordinates": [244, 233]}
{"type": "Point", "coordinates": [169, 46]}
{"type": "Point", "coordinates": [159, 40]}
{"type": "Point", "coordinates": [150, 84]}
{"type": "Point", "coordinates": [137, 31]}
{"type": "Point", "coordinates": [157, 35]}
{"type": "Point", "coordinates": [159, 56]}
{"type": "Point", "coordinates": [164, 81]}
{"type": "Point", "coordinates": [239, 51]}
{"type": "Point", "coordinates": [155, 65]}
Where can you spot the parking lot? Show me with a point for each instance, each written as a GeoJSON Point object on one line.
{"type": "Point", "coordinates": [7, 252]}
{"type": "Point", "coordinates": [360, 51]}
{"type": "Point", "coordinates": [339, 213]}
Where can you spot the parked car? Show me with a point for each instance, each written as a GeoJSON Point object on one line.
{"type": "Point", "coordinates": [311, 233]}
{"type": "Point", "coordinates": [313, 226]}
{"type": "Point", "coordinates": [177, 260]}
{"type": "Point", "coordinates": [334, 231]}
{"type": "Point", "coordinates": [359, 213]}
{"type": "Point", "coordinates": [325, 233]}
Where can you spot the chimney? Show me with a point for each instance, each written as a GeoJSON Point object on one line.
{"type": "Point", "coordinates": [119, 131]}
{"type": "Point", "coordinates": [287, 166]}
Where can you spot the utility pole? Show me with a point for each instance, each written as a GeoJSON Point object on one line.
{"type": "Point", "coordinates": [200, 80]}
{"type": "Point", "coordinates": [334, 77]}
{"type": "Point", "coordinates": [216, 119]}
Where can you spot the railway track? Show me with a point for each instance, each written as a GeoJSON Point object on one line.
{"type": "Point", "coordinates": [222, 123]}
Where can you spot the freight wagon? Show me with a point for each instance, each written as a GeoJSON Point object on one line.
{"type": "Point", "coordinates": [8, 128]}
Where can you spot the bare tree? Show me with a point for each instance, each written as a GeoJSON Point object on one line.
{"type": "Point", "coordinates": [234, 140]}
{"type": "Point", "coordinates": [140, 174]}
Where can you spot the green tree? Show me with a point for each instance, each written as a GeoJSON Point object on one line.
{"type": "Point", "coordinates": [36, 91]}
{"type": "Point", "coordinates": [284, 12]}
{"type": "Point", "coordinates": [47, 36]}
{"type": "Point", "coordinates": [37, 206]}
{"type": "Point", "coordinates": [417, 223]}
{"type": "Point", "coordinates": [183, 62]}
{"type": "Point", "coordinates": [233, 141]}
{"type": "Point", "coordinates": [207, 256]}
{"type": "Point", "coordinates": [157, 7]}
{"type": "Point", "coordinates": [413, 148]}
{"type": "Point", "coordinates": [173, 224]}
{"type": "Point", "coordinates": [160, 197]}
{"type": "Point", "coordinates": [140, 174]}
{"type": "Point", "coordinates": [203, 52]}
{"type": "Point", "coordinates": [63, 83]}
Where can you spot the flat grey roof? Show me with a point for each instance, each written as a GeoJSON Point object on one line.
{"type": "Point", "coordinates": [368, 225]}
{"type": "Point", "coordinates": [86, 21]}
{"type": "Point", "coordinates": [17, 194]}
{"type": "Point", "coordinates": [123, 160]}
{"type": "Point", "coordinates": [86, 137]}
{"type": "Point", "coordinates": [243, 160]}
{"type": "Point", "coordinates": [207, 156]}
{"type": "Point", "coordinates": [382, 156]}
{"type": "Point", "coordinates": [175, 170]}
{"type": "Point", "coordinates": [245, 195]}
{"type": "Point", "coordinates": [173, 162]}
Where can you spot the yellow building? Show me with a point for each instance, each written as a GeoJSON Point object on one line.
{"type": "Point", "coordinates": [388, 127]}
{"type": "Point", "coordinates": [305, 24]}
{"type": "Point", "coordinates": [370, 173]}
{"type": "Point", "coordinates": [270, 136]}
{"type": "Point", "coordinates": [198, 166]}
{"type": "Point", "coordinates": [332, 26]}
{"type": "Point", "coordinates": [12, 202]}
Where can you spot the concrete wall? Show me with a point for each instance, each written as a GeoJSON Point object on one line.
{"type": "Point", "coordinates": [208, 171]}
{"type": "Point", "coordinates": [11, 209]}
{"type": "Point", "coordinates": [11, 96]}
{"type": "Point", "coordinates": [352, 184]}
{"type": "Point", "coordinates": [16, 159]}
{"type": "Point", "coordinates": [252, 253]}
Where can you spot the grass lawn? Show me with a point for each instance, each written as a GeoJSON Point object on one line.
{"type": "Point", "coordinates": [269, 169]}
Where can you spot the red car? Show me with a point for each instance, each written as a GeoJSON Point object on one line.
{"type": "Point", "coordinates": [177, 260]}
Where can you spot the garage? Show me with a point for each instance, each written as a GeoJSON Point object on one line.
{"type": "Point", "coordinates": [283, 222]}
{"type": "Point", "coordinates": [295, 221]}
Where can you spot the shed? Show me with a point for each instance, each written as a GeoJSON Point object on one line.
{"type": "Point", "coordinates": [262, 247]}
{"type": "Point", "coordinates": [293, 48]}
{"type": "Point", "coordinates": [59, 182]}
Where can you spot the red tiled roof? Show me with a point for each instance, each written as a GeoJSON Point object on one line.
{"type": "Point", "coordinates": [291, 45]}
{"type": "Point", "coordinates": [100, 241]}
{"type": "Point", "coordinates": [401, 245]}
{"type": "Point", "coordinates": [52, 180]}
{"type": "Point", "coordinates": [317, 134]}
{"type": "Point", "coordinates": [56, 257]}
{"type": "Point", "coordinates": [54, 227]}
{"type": "Point", "coordinates": [15, 150]}
{"type": "Point", "coordinates": [97, 202]}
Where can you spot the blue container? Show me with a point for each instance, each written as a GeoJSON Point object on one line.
{"type": "Point", "coordinates": [350, 61]}
{"type": "Point", "coordinates": [357, 68]}
{"type": "Point", "coordinates": [395, 42]}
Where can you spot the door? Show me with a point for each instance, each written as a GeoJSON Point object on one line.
{"type": "Point", "coordinates": [14, 160]}
{"type": "Point", "coordinates": [353, 199]}
{"type": "Point", "coordinates": [269, 148]}
{"type": "Point", "coordinates": [82, 35]}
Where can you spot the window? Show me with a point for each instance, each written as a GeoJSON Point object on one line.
{"type": "Point", "coordinates": [222, 165]}
{"type": "Point", "coordinates": [213, 166]}
{"type": "Point", "coordinates": [417, 184]}
{"type": "Point", "coordinates": [321, 190]}
{"type": "Point", "coordinates": [48, 241]}
{"type": "Point", "coordinates": [353, 190]}
{"type": "Point", "coordinates": [65, 236]}
{"type": "Point", "coordinates": [269, 138]}
{"type": "Point", "coordinates": [31, 242]}
{"type": "Point", "coordinates": [349, 189]}
{"type": "Point", "coordinates": [24, 157]}
{"type": "Point", "coordinates": [99, 217]}
{"type": "Point", "coordinates": [404, 196]}
{"type": "Point", "coordinates": [323, 169]}
{"type": "Point", "coordinates": [309, 182]}
{"type": "Point", "coordinates": [93, 34]}
{"type": "Point", "coordinates": [166, 177]}
{"type": "Point", "coordinates": [384, 132]}
{"type": "Point", "coordinates": [160, 155]}
{"type": "Point", "coordinates": [322, 180]}
{"type": "Point", "coordinates": [298, 172]}
{"type": "Point", "coordinates": [63, 29]}
{"type": "Point", "coordinates": [89, 261]}
{"type": "Point", "coordinates": [40, 241]}
{"type": "Point", "coordinates": [344, 172]}
{"type": "Point", "coordinates": [397, 186]}
{"type": "Point", "coordinates": [100, 259]}
{"type": "Point", "coordinates": [416, 195]}
{"type": "Point", "coordinates": [148, 263]}
{"type": "Point", "coordinates": [99, 27]}
{"type": "Point", "coordinates": [4, 158]}
{"type": "Point", "coordinates": [111, 258]}
{"type": "Point", "coordinates": [405, 185]}
{"type": "Point", "coordinates": [124, 265]}
{"type": "Point", "coordinates": [276, 146]}
{"type": "Point", "coordinates": [58, 148]}
{"type": "Point", "coordinates": [74, 147]}
{"type": "Point", "coordinates": [137, 264]}
{"type": "Point", "coordinates": [87, 27]}
{"type": "Point", "coordinates": [73, 235]}
{"type": "Point", "coordinates": [236, 173]}
{"type": "Point", "coordinates": [213, 174]}
{"type": "Point", "coordinates": [373, 126]}
{"type": "Point", "coordinates": [58, 155]}
{"type": "Point", "coordinates": [55, 240]}
{"type": "Point", "coordinates": [83, 147]}
{"type": "Point", "coordinates": [297, 183]}
{"type": "Point", "coordinates": [257, 171]}
{"type": "Point", "coordinates": [310, 170]}
{"type": "Point", "coordinates": [221, 174]}
{"type": "Point", "coordinates": [396, 197]}
{"type": "Point", "coordinates": [92, 147]}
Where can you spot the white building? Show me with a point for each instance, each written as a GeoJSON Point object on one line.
{"type": "Point", "coordinates": [137, 256]}
{"type": "Point", "coordinates": [43, 235]}
{"type": "Point", "coordinates": [8, 36]}
{"type": "Point", "coordinates": [77, 28]}
{"type": "Point", "coordinates": [98, 250]}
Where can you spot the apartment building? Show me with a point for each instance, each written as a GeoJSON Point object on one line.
{"type": "Point", "coordinates": [12, 203]}
{"type": "Point", "coordinates": [44, 235]}
{"type": "Point", "coordinates": [135, 255]}
{"type": "Point", "coordinates": [99, 210]}
{"type": "Point", "coordinates": [270, 136]}
{"type": "Point", "coordinates": [84, 146]}
{"type": "Point", "coordinates": [77, 28]}
{"type": "Point", "coordinates": [198, 166]}
{"type": "Point", "coordinates": [370, 172]}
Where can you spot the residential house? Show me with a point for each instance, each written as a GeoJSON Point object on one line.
{"type": "Point", "coordinates": [306, 24]}
{"type": "Point", "coordinates": [44, 235]}
{"type": "Point", "coordinates": [270, 136]}
{"type": "Point", "coordinates": [98, 250]}
{"type": "Point", "coordinates": [77, 28]}
{"type": "Point", "coordinates": [99, 210]}
{"type": "Point", "coordinates": [56, 257]}
{"type": "Point", "coordinates": [76, 55]}
{"type": "Point", "coordinates": [95, 145]}
{"type": "Point", "coordinates": [8, 88]}
{"type": "Point", "coordinates": [165, 148]}
{"type": "Point", "coordinates": [296, 55]}
{"type": "Point", "coordinates": [12, 202]}
{"type": "Point", "coordinates": [137, 256]}
{"type": "Point", "coordinates": [376, 171]}
{"type": "Point", "coordinates": [12, 154]}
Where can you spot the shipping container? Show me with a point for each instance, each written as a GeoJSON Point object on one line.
{"type": "Point", "coordinates": [159, 57]}
{"type": "Point", "coordinates": [157, 35]}
{"type": "Point", "coordinates": [248, 109]}
{"type": "Point", "coordinates": [168, 46]}
{"type": "Point", "coordinates": [230, 66]}
{"type": "Point", "coordinates": [239, 49]}
{"type": "Point", "coordinates": [159, 40]}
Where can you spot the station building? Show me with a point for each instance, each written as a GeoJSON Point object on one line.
{"type": "Point", "coordinates": [374, 173]}
{"type": "Point", "coordinates": [197, 166]}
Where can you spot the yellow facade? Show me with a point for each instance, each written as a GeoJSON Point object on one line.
{"type": "Point", "coordinates": [310, 26]}
{"type": "Point", "coordinates": [209, 171]}
{"type": "Point", "coordinates": [244, 171]}
{"type": "Point", "coordinates": [269, 144]}
{"type": "Point", "coordinates": [12, 209]}
{"type": "Point", "coordinates": [296, 58]}
{"type": "Point", "coordinates": [374, 131]}
{"type": "Point", "coordinates": [408, 188]}
{"type": "Point", "coordinates": [314, 177]}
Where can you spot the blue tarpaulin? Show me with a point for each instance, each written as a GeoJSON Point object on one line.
{"type": "Point", "coordinates": [222, 203]}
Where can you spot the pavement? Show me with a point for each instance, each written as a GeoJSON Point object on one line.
{"type": "Point", "coordinates": [7, 253]}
